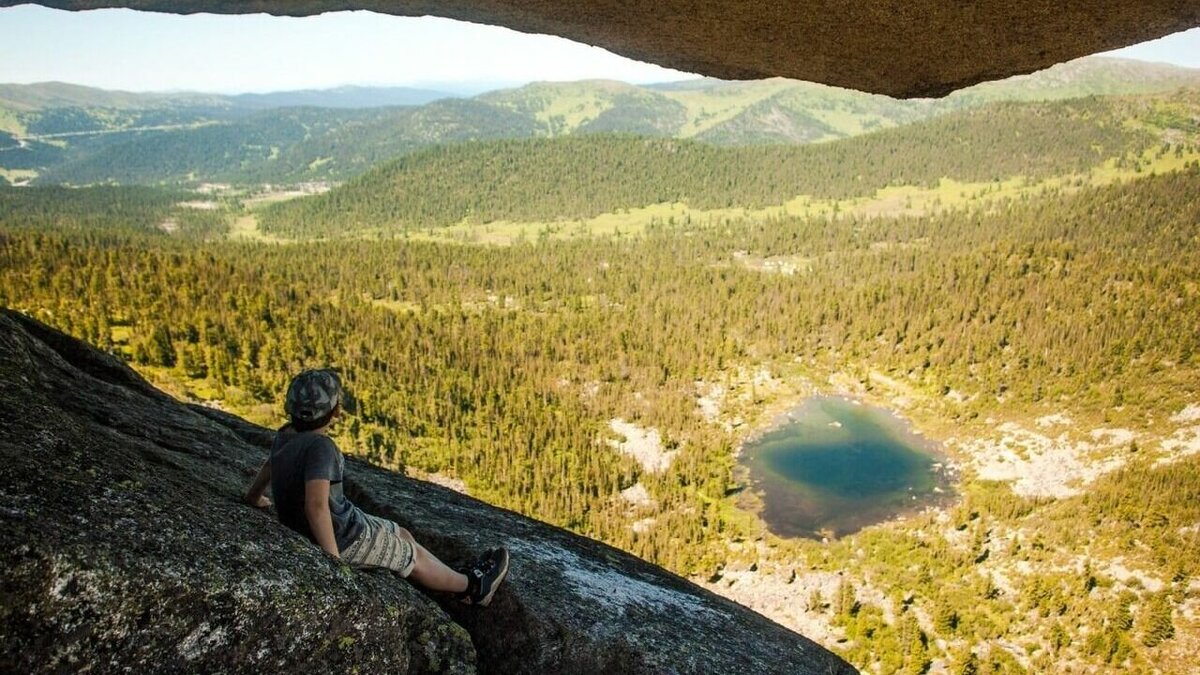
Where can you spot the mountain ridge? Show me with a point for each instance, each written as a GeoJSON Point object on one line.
{"type": "Point", "coordinates": [199, 139]}
{"type": "Point", "coordinates": [57, 93]}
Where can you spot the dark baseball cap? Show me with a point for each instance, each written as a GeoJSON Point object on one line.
{"type": "Point", "coordinates": [313, 394]}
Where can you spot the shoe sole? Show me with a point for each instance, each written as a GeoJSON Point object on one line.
{"type": "Point", "coordinates": [496, 584]}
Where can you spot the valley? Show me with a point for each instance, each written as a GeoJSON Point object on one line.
{"type": "Point", "coordinates": [588, 329]}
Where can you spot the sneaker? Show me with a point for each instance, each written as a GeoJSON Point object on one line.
{"type": "Point", "coordinates": [484, 577]}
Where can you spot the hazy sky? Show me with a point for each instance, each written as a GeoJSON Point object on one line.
{"type": "Point", "coordinates": [123, 49]}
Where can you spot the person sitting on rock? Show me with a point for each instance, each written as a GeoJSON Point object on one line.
{"type": "Point", "coordinates": [305, 472]}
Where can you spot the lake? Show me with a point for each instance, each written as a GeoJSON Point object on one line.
{"type": "Point", "coordinates": [833, 466]}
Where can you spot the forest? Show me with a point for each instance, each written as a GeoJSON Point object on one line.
{"type": "Point", "coordinates": [582, 176]}
{"type": "Point", "coordinates": [502, 367]}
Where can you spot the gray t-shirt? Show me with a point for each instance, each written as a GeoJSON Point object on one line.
{"type": "Point", "coordinates": [298, 457]}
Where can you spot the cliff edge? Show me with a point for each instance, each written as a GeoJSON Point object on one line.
{"type": "Point", "coordinates": [125, 546]}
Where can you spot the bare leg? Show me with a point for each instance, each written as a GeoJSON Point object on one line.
{"type": "Point", "coordinates": [432, 573]}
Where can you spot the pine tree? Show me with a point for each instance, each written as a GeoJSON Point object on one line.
{"type": "Point", "coordinates": [1158, 624]}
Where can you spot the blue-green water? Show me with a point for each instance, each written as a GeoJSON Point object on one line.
{"type": "Point", "coordinates": [834, 466]}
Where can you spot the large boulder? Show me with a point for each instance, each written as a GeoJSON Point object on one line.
{"type": "Point", "coordinates": [125, 546]}
{"type": "Point", "coordinates": [900, 48]}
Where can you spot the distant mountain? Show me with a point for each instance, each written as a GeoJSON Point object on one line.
{"type": "Point", "coordinates": [593, 106]}
{"type": "Point", "coordinates": [66, 133]}
{"type": "Point", "coordinates": [285, 144]}
{"type": "Point", "coordinates": [786, 111]}
{"type": "Point", "coordinates": [45, 95]}
{"type": "Point", "coordinates": [1091, 76]}
{"type": "Point", "coordinates": [797, 112]}
{"type": "Point", "coordinates": [342, 97]}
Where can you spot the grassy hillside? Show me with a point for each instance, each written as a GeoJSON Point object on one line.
{"type": "Point", "coordinates": [566, 107]}
{"type": "Point", "coordinates": [580, 177]}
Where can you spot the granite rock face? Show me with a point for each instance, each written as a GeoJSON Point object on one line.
{"type": "Point", "coordinates": [126, 547]}
{"type": "Point", "coordinates": [903, 48]}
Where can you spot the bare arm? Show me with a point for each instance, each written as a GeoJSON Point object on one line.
{"type": "Point", "coordinates": [316, 509]}
{"type": "Point", "coordinates": [255, 494]}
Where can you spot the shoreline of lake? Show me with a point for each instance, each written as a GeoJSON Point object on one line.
{"type": "Point", "coordinates": [793, 502]}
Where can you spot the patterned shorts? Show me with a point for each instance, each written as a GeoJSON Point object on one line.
{"type": "Point", "coordinates": [380, 545]}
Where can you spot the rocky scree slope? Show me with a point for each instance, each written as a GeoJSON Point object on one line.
{"type": "Point", "coordinates": [126, 547]}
